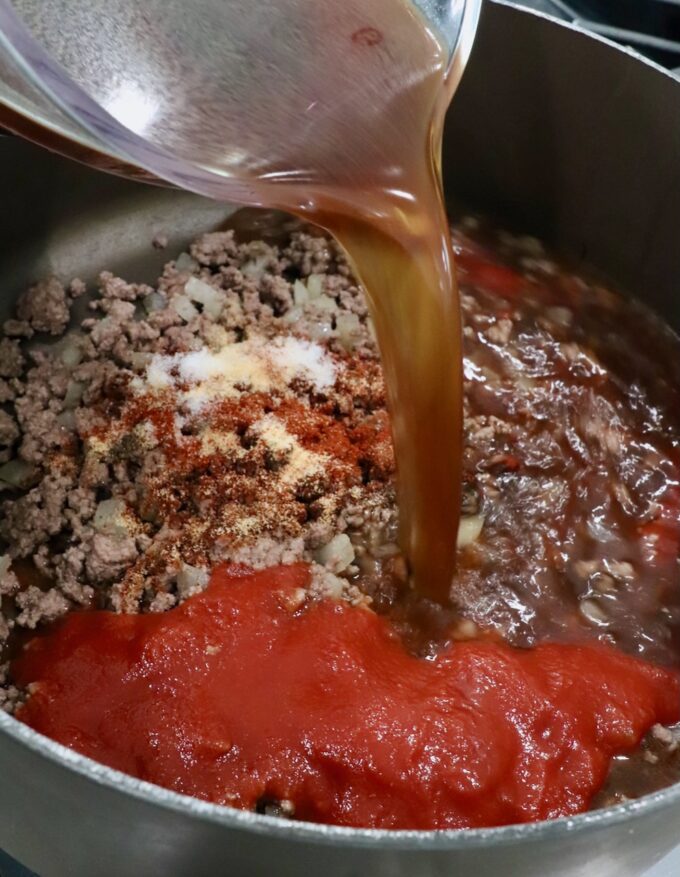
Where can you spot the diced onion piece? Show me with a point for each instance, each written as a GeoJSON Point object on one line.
{"type": "Point", "coordinates": [370, 325]}
{"type": "Point", "coordinates": [292, 316]}
{"type": "Point", "coordinates": [140, 359]}
{"type": "Point", "coordinates": [102, 326]}
{"type": "Point", "coordinates": [300, 293]}
{"type": "Point", "coordinates": [71, 353]}
{"type": "Point", "coordinates": [385, 549]}
{"type": "Point", "coordinates": [254, 269]}
{"type": "Point", "coordinates": [349, 329]}
{"type": "Point", "coordinates": [464, 630]}
{"type": "Point", "coordinates": [184, 307]}
{"type": "Point", "coordinates": [18, 473]}
{"type": "Point", "coordinates": [593, 612]}
{"type": "Point", "coordinates": [206, 295]}
{"type": "Point", "coordinates": [337, 554]}
{"type": "Point", "coordinates": [326, 304]}
{"type": "Point", "coordinates": [469, 529]}
{"type": "Point", "coordinates": [184, 262]}
{"type": "Point", "coordinates": [319, 331]}
{"type": "Point", "coordinates": [5, 563]}
{"type": "Point", "coordinates": [191, 580]}
{"type": "Point", "coordinates": [315, 285]}
{"type": "Point", "coordinates": [67, 419]}
{"type": "Point", "coordinates": [74, 393]}
{"type": "Point", "coordinates": [530, 245]}
{"type": "Point", "coordinates": [155, 301]}
{"type": "Point", "coordinates": [109, 518]}
{"type": "Point", "coordinates": [560, 315]}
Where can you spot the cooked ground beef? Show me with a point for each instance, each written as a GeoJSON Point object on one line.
{"type": "Point", "coordinates": [94, 500]}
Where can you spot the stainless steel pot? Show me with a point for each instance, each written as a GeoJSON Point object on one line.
{"type": "Point", "coordinates": [556, 133]}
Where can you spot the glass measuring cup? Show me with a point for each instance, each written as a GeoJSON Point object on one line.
{"type": "Point", "coordinates": [167, 86]}
{"type": "Point", "coordinates": [333, 112]}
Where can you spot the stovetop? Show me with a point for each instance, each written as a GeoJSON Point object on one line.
{"type": "Point", "coordinates": [651, 27]}
{"type": "Point", "coordinates": [10, 868]}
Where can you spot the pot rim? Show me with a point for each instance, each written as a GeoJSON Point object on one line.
{"type": "Point", "coordinates": [231, 818]}
{"type": "Point", "coordinates": [443, 840]}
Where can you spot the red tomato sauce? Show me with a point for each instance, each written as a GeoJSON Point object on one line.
{"type": "Point", "coordinates": [240, 694]}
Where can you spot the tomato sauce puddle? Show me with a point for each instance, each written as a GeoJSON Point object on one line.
{"type": "Point", "coordinates": [245, 694]}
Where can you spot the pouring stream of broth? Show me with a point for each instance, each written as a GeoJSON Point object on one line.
{"type": "Point", "coordinates": [387, 211]}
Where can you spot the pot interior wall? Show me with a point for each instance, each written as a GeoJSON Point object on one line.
{"type": "Point", "coordinates": [62, 218]}
{"type": "Point", "coordinates": [551, 133]}
{"type": "Point", "coordinates": [575, 141]}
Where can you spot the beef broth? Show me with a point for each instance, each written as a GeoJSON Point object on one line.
{"type": "Point", "coordinates": [574, 449]}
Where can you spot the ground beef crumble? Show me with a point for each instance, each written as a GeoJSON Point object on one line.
{"type": "Point", "coordinates": [44, 307]}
